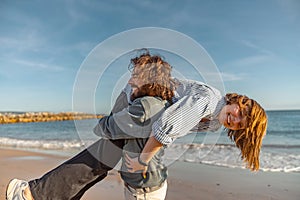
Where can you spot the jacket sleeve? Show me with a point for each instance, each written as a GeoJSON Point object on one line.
{"type": "Point", "coordinates": [122, 100]}
{"type": "Point", "coordinates": [135, 121]}
{"type": "Point", "coordinates": [180, 118]}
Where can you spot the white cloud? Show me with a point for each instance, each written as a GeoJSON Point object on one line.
{"type": "Point", "coordinates": [82, 47]}
{"type": "Point", "coordinates": [30, 41]}
{"type": "Point", "coordinates": [75, 11]}
{"type": "Point", "coordinates": [226, 77]}
{"type": "Point", "coordinates": [260, 49]}
{"type": "Point", "coordinates": [291, 8]}
{"type": "Point", "coordinates": [260, 56]}
{"type": "Point", "coordinates": [38, 65]}
{"type": "Point", "coordinates": [250, 61]}
{"type": "Point", "coordinates": [232, 77]}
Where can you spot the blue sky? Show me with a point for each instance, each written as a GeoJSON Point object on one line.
{"type": "Point", "coordinates": [255, 45]}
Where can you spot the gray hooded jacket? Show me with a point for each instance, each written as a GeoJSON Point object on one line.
{"type": "Point", "coordinates": [134, 124]}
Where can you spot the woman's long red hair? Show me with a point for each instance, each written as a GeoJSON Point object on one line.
{"type": "Point", "coordinates": [249, 140]}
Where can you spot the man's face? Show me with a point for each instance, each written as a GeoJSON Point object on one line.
{"type": "Point", "coordinates": [135, 81]}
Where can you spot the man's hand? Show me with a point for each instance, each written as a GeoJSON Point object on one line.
{"type": "Point", "coordinates": [134, 165]}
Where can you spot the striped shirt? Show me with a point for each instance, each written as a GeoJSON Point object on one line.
{"type": "Point", "coordinates": [192, 102]}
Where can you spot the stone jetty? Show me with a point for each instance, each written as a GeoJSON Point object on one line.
{"type": "Point", "coordinates": [26, 117]}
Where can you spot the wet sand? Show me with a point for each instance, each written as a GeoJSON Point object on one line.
{"type": "Point", "coordinates": [185, 181]}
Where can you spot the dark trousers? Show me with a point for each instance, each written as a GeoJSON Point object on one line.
{"type": "Point", "coordinates": [74, 177]}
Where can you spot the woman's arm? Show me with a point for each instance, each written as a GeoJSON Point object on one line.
{"type": "Point", "coordinates": [151, 148]}
{"type": "Point", "coordinates": [140, 163]}
{"type": "Point", "coordinates": [175, 122]}
{"type": "Point", "coordinates": [180, 118]}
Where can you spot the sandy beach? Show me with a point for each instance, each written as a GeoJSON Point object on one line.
{"type": "Point", "coordinates": [186, 180]}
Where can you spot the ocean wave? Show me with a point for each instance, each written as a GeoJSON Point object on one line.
{"type": "Point", "coordinates": [273, 157]}
{"type": "Point", "coordinates": [41, 144]}
{"type": "Point", "coordinates": [281, 146]}
{"type": "Point", "coordinates": [227, 155]}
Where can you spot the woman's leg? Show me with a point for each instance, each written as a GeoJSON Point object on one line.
{"type": "Point", "coordinates": [73, 178]}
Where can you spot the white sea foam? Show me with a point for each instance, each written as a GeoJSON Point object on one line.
{"type": "Point", "coordinates": [275, 159]}
{"type": "Point", "coordinates": [41, 144]}
{"type": "Point", "coordinates": [229, 156]}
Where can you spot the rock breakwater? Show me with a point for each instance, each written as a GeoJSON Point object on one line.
{"type": "Point", "coordinates": [27, 117]}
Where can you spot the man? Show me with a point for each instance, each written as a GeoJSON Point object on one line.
{"type": "Point", "coordinates": [142, 112]}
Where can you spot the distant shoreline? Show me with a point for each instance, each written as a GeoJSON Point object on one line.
{"type": "Point", "coordinates": [283, 110]}
{"type": "Point", "coordinates": [29, 117]}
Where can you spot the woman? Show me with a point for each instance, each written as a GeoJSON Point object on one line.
{"type": "Point", "coordinates": [244, 119]}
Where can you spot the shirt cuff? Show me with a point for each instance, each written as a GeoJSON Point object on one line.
{"type": "Point", "coordinates": [160, 135]}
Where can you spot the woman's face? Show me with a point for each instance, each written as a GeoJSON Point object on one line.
{"type": "Point", "coordinates": [232, 118]}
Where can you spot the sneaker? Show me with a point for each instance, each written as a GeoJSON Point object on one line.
{"type": "Point", "coordinates": [15, 189]}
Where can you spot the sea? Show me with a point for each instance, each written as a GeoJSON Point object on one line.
{"type": "Point", "coordinates": [280, 151]}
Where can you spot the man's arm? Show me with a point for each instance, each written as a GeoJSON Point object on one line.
{"type": "Point", "coordinates": [125, 124]}
{"type": "Point", "coordinates": [104, 126]}
{"type": "Point", "coordinates": [132, 122]}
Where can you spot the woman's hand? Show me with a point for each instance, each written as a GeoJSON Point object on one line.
{"type": "Point", "coordinates": [134, 165]}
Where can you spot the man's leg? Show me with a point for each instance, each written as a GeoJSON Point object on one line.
{"type": "Point", "coordinates": [71, 179]}
{"type": "Point", "coordinates": [139, 194]}
{"type": "Point", "coordinates": [159, 194]}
